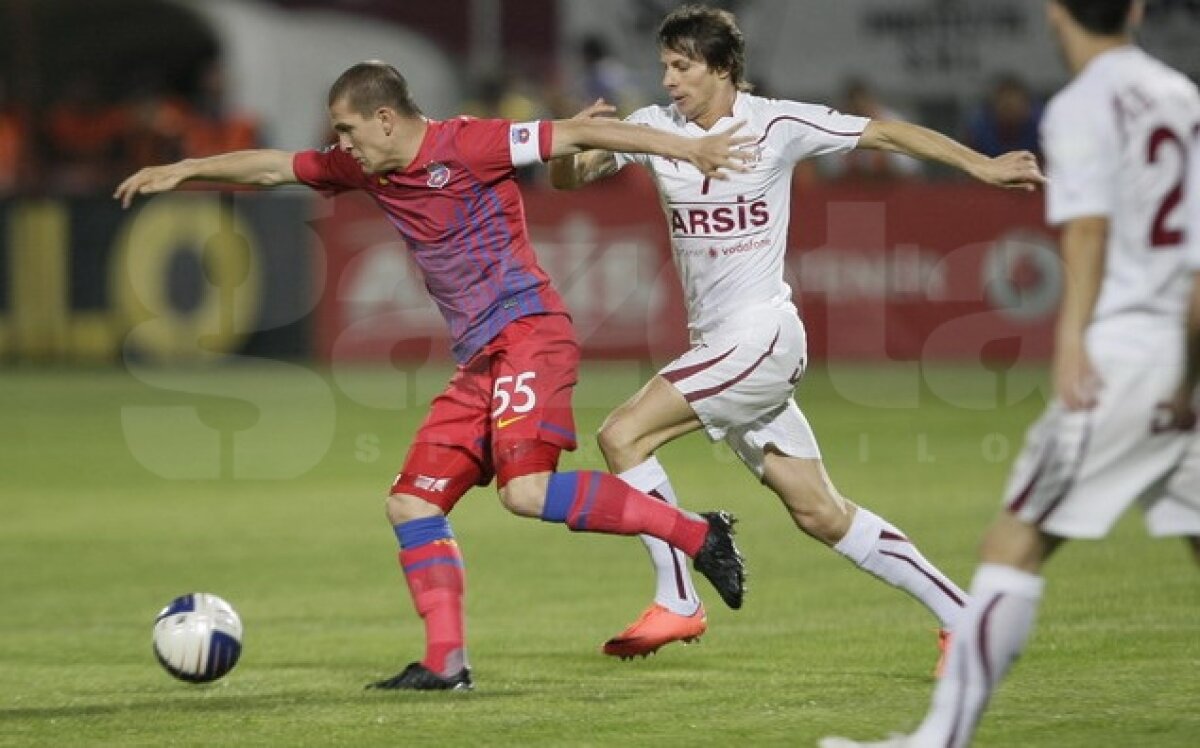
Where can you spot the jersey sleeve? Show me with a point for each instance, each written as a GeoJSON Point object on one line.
{"type": "Point", "coordinates": [1081, 163]}
{"type": "Point", "coordinates": [808, 130]}
{"type": "Point", "coordinates": [640, 117]}
{"type": "Point", "coordinates": [328, 170]}
{"type": "Point", "coordinates": [494, 148]}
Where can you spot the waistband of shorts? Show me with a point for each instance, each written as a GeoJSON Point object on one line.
{"type": "Point", "coordinates": [745, 318]}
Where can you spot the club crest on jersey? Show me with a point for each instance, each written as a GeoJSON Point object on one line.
{"type": "Point", "coordinates": [520, 135]}
{"type": "Point", "coordinates": [439, 175]}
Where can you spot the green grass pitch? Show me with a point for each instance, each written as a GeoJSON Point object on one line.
{"type": "Point", "coordinates": [284, 519]}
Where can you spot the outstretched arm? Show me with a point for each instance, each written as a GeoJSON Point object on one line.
{"type": "Point", "coordinates": [264, 168]}
{"type": "Point", "coordinates": [711, 154]}
{"type": "Point", "coordinates": [569, 172]}
{"type": "Point", "coordinates": [1016, 170]}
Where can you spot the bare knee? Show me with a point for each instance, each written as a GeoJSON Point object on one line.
{"type": "Point", "coordinates": [1011, 542]}
{"type": "Point", "coordinates": [525, 495]}
{"type": "Point", "coordinates": [619, 443]}
{"type": "Point", "coordinates": [401, 508]}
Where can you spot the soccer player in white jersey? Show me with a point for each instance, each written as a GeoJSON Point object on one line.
{"type": "Point", "coordinates": [1176, 512]}
{"type": "Point", "coordinates": [749, 349]}
{"type": "Point", "coordinates": [1116, 139]}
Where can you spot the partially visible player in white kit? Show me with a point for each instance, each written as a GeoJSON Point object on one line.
{"type": "Point", "coordinates": [1175, 512]}
{"type": "Point", "coordinates": [749, 349]}
{"type": "Point", "coordinates": [1117, 141]}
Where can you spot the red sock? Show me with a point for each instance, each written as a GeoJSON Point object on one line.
{"type": "Point", "coordinates": [605, 503]}
{"type": "Point", "coordinates": [435, 577]}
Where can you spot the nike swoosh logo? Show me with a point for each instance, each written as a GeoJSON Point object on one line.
{"type": "Point", "coordinates": [506, 422]}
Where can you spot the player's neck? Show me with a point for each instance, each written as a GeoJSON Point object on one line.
{"type": "Point", "coordinates": [722, 106]}
{"type": "Point", "coordinates": [1084, 48]}
{"type": "Point", "coordinates": [410, 133]}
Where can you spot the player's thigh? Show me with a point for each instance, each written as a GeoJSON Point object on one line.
{"type": "Point", "coordinates": [449, 453]}
{"type": "Point", "coordinates": [533, 374]}
{"type": "Point", "coordinates": [655, 415]}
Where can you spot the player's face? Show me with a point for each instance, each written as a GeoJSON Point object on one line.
{"type": "Point", "coordinates": [700, 93]}
{"type": "Point", "coordinates": [363, 138]}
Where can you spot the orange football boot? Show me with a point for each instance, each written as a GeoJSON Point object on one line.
{"type": "Point", "coordinates": [656, 627]}
{"type": "Point", "coordinates": [945, 640]}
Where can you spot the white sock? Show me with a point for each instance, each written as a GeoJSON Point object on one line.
{"type": "Point", "coordinates": [990, 635]}
{"type": "Point", "coordinates": [674, 589]}
{"type": "Point", "coordinates": [879, 548]}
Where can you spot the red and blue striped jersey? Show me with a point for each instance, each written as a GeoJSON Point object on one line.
{"type": "Point", "coordinates": [459, 209]}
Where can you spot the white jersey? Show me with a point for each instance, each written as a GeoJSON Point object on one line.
{"type": "Point", "coordinates": [1116, 141]}
{"type": "Point", "coordinates": [729, 236]}
{"type": "Point", "coordinates": [1193, 202]}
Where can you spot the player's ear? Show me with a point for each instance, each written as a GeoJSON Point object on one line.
{"type": "Point", "coordinates": [387, 119]}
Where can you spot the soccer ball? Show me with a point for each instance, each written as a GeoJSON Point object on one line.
{"type": "Point", "coordinates": [198, 637]}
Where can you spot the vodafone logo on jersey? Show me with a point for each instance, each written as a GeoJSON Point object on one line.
{"type": "Point", "coordinates": [719, 219]}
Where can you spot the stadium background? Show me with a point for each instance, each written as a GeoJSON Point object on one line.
{"type": "Point", "coordinates": [890, 265]}
{"type": "Point", "coordinates": [211, 391]}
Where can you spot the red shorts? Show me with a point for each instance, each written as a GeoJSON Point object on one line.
{"type": "Point", "coordinates": [506, 413]}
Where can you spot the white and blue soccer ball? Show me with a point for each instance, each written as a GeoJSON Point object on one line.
{"type": "Point", "coordinates": [198, 637]}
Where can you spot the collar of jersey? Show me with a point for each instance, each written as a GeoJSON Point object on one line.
{"type": "Point", "coordinates": [1102, 59]}
{"type": "Point", "coordinates": [741, 111]}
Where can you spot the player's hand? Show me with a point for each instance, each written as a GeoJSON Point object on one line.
{"type": "Point", "coordinates": [1076, 383]}
{"type": "Point", "coordinates": [722, 152]}
{"type": "Point", "coordinates": [598, 108]}
{"type": "Point", "coordinates": [1176, 414]}
{"type": "Point", "coordinates": [1016, 170]}
{"type": "Point", "coordinates": [149, 181]}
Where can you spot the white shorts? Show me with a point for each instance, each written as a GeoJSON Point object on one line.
{"type": "Point", "coordinates": [739, 382]}
{"type": "Point", "coordinates": [1175, 510]}
{"type": "Point", "coordinates": [1167, 517]}
{"type": "Point", "coordinates": [1080, 470]}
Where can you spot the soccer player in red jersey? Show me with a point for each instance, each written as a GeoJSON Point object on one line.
{"type": "Point", "coordinates": [449, 189]}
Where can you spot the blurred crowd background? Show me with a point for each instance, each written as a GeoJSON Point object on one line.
{"type": "Point", "coordinates": [890, 259]}
{"type": "Point", "coordinates": [91, 89]}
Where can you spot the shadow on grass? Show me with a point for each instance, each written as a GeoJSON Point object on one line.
{"type": "Point", "coordinates": [201, 703]}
